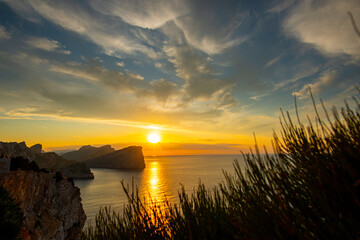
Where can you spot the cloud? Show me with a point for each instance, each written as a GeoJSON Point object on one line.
{"type": "Point", "coordinates": [197, 71]}
{"type": "Point", "coordinates": [158, 65]}
{"type": "Point", "coordinates": [317, 87]}
{"type": "Point", "coordinates": [142, 13]}
{"type": "Point", "coordinates": [227, 100]}
{"type": "Point", "coordinates": [94, 71]}
{"type": "Point", "coordinates": [163, 89]}
{"type": "Point", "coordinates": [3, 33]}
{"type": "Point", "coordinates": [281, 6]}
{"type": "Point", "coordinates": [120, 64]}
{"type": "Point", "coordinates": [46, 44]}
{"type": "Point", "coordinates": [204, 27]}
{"type": "Point", "coordinates": [212, 28]}
{"type": "Point", "coordinates": [325, 25]}
{"type": "Point", "coordinates": [113, 36]}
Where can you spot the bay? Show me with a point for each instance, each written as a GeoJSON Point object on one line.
{"type": "Point", "coordinates": [162, 178]}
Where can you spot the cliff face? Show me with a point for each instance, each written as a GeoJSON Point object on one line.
{"type": "Point", "coordinates": [14, 149]}
{"type": "Point", "coordinates": [126, 158]}
{"type": "Point", "coordinates": [49, 161]}
{"type": "Point", "coordinates": [88, 152]}
{"type": "Point", "coordinates": [52, 209]}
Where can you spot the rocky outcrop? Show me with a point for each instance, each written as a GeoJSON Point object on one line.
{"type": "Point", "coordinates": [88, 152]}
{"type": "Point", "coordinates": [49, 161]}
{"type": "Point", "coordinates": [37, 148]}
{"type": "Point", "coordinates": [52, 207]}
{"type": "Point", "coordinates": [127, 158]}
{"type": "Point", "coordinates": [69, 168]}
{"type": "Point", "coordinates": [14, 149]}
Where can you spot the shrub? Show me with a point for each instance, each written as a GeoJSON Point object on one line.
{"type": "Point", "coordinates": [308, 189]}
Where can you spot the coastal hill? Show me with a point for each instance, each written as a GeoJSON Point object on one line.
{"type": "Point", "coordinates": [88, 152]}
{"type": "Point", "coordinates": [49, 160]}
{"type": "Point", "coordinates": [106, 157]}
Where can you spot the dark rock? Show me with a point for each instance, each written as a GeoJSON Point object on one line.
{"type": "Point", "coordinates": [69, 168]}
{"type": "Point", "coordinates": [23, 164]}
{"type": "Point", "coordinates": [52, 209]}
{"type": "Point", "coordinates": [88, 152]}
{"type": "Point", "coordinates": [127, 158]}
{"type": "Point", "coordinates": [14, 149]}
{"type": "Point", "coordinates": [46, 160]}
{"type": "Point", "coordinates": [37, 148]}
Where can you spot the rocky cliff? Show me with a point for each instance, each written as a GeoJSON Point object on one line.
{"type": "Point", "coordinates": [52, 207]}
{"type": "Point", "coordinates": [127, 158]}
{"type": "Point", "coordinates": [50, 161]}
{"type": "Point", "coordinates": [14, 149]}
{"type": "Point", "coordinates": [88, 152]}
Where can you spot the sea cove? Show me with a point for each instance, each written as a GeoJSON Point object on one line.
{"type": "Point", "coordinates": [162, 177]}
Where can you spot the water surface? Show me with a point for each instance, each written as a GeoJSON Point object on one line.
{"type": "Point", "coordinates": [162, 176]}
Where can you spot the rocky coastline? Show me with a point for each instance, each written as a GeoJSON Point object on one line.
{"type": "Point", "coordinates": [47, 160]}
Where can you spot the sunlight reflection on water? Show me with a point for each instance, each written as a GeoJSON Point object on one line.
{"type": "Point", "coordinates": [160, 179]}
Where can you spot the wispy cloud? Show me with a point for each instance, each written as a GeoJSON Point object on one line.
{"type": "Point", "coordinates": [36, 113]}
{"type": "Point", "coordinates": [3, 33]}
{"type": "Point", "coordinates": [144, 13]}
{"type": "Point", "coordinates": [326, 25]}
{"type": "Point", "coordinates": [46, 44]}
{"type": "Point", "coordinates": [114, 38]}
{"type": "Point", "coordinates": [197, 71]}
{"type": "Point", "coordinates": [201, 26]}
{"type": "Point", "coordinates": [319, 85]}
{"type": "Point", "coordinates": [120, 64]}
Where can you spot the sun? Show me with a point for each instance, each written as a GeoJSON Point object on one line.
{"type": "Point", "coordinates": [153, 138]}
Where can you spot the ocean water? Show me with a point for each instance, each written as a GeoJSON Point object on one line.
{"type": "Point", "coordinates": [163, 176]}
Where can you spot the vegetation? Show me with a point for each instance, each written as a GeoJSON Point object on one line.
{"type": "Point", "coordinates": [10, 216]}
{"type": "Point", "coordinates": [308, 189]}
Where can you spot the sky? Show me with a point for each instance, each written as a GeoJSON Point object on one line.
{"type": "Point", "coordinates": [204, 75]}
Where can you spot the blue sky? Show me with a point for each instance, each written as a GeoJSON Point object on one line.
{"type": "Point", "coordinates": [216, 69]}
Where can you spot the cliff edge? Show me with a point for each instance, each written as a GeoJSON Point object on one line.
{"type": "Point", "coordinates": [52, 207]}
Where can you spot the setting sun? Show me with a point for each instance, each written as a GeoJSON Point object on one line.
{"type": "Point", "coordinates": [153, 138]}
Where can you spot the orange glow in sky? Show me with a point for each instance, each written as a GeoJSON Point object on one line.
{"type": "Point", "coordinates": [154, 137]}
{"type": "Point", "coordinates": [175, 85]}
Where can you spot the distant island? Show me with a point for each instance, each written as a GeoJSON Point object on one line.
{"type": "Point", "coordinates": [107, 157]}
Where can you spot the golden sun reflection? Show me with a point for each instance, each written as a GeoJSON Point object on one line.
{"type": "Point", "coordinates": [154, 178]}
{"type": "Point", "coordinates": [155, 186]}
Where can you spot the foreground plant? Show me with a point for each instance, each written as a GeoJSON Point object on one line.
{"type": "Point", "coordinates": [308, 189]}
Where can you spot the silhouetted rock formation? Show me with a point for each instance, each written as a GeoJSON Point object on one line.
{"type": "Point", "coordinates": [37, 148]}
{"type": "Point", "coordinates": [69, 168]}
{"type": "Point", "coordinates": [50, 161]}
{"type": "Point", "coordinates": [88, 152]}
{"type": "Point", "coordinates": [126, 158]}
{"type": "Point", "coordinates": [106, 157]}
{"type": "Point", "coordinates": [52, 209]}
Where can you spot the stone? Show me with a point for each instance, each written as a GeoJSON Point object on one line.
{"type": "Point", "coordinates": [52, 209]}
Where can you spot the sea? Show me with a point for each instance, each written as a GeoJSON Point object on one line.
{"type": "Point", "coordinates": [162, 178]}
